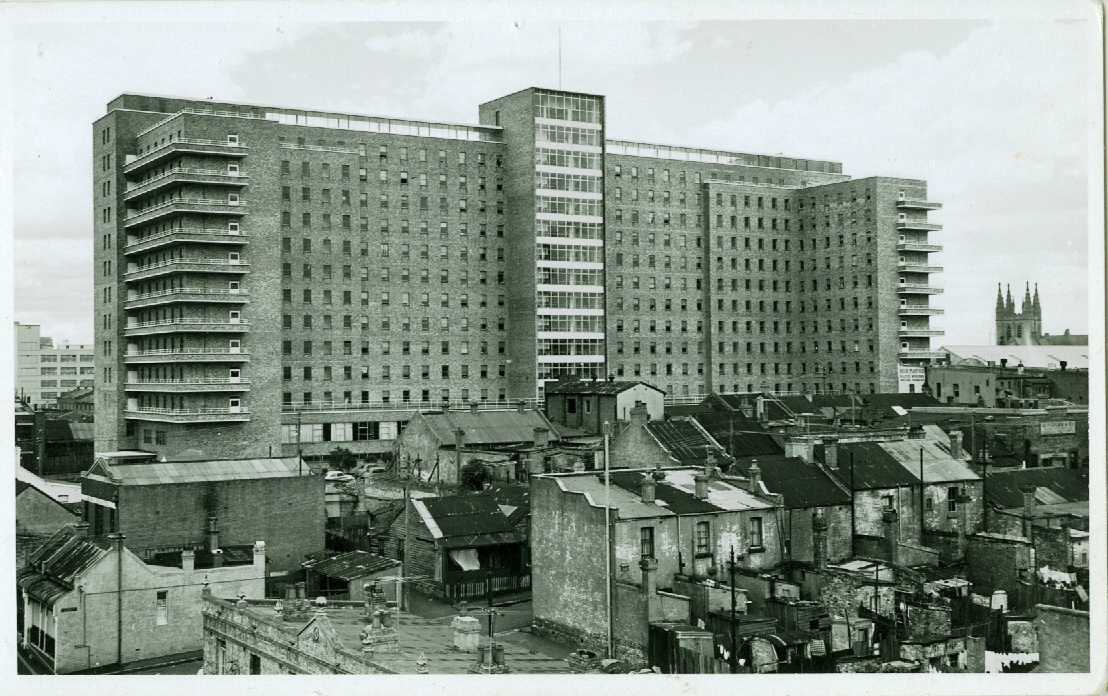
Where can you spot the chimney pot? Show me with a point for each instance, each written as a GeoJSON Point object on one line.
{"type": "Point", "coordinates": [188, 560]}
{"type": "Point", "coordinates": [891, 521]}
{"type": "Point", "coordinates": [648, 488]}
{"type": "Point", "coordinates": [956, 444]}
{"type": "Point", "coordinates": [831, 452]}
{"type": "Point", "coordinates": [754, 477]}
{"type": "Point", "coordinates": [701, 481]}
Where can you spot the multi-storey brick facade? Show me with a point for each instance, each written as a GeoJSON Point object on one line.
{"type": "Point", "coordinates": [280, 278]}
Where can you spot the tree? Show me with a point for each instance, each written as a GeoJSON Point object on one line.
{"type": "Point", "coordinates": [342, 459]}
{"type": "Point", "coordinates": [475, 476]}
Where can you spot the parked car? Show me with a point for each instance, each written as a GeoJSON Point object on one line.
{"type": "Point", "coordinates": [339, 476]}
{"type": "Point", "coordinates": [377, 469]}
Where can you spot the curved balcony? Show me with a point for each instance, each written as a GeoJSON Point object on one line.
{"type": "Point", "coordinates": [184, 265]}
{"type": "Point", "coordinates": [921, 333]}
{"type": "Point", "coordinates": [190, 295]}
{"type": "Point", "coordinates": [919, 311]}
{"type": "Point", "coordinates": [186, 415]}
{"type": "Point", "coordinates": [200, 206]}
{"type": "Point", "coordinates": [910, 289]}
{"type": "Point", "coordinates": [184, 175]}
{"type": "Point", "coordinates": [908, 267]}
{"type": "Point", "coordinates": [917, 204]}
{"type": "Point", "coordinates": [181, 146]}
{"type": "Point", "coordinates": [183, 386]}
{"type": "Point", "coordinates": [186, 325]}
{"type": "Point", "coordinates": [918, 246]}
{"type": "Point", "coordinates": [186, 355]}
{"type": "Point", "coordinates": [181, 235]}
{"type": "Point", "coordinates": [921, 354]}
{"type": "Point", "coordinates": [922, 225]}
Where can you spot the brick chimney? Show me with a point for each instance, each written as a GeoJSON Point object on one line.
{"type": "Point", "coordinates": [1029, 504]}
{"type": "Point", "coordinates": [542, 436]}
{"type": "Point", "coordinates": [459, 447]}
{"type": "Point", "coordinates": [259, 554]}
{"type": "Point", "coordinates": [188, 560]}
{"type": "Point", "coordinates": [647, 488]}
{"type": "Point", "coordinates": [819, 539]}
{"type": "Point", "coordinates": [649, 567]}
{"type": "Point", "coordinates": [754, 478]}
{"type": "Point", "coordinates": [891, 521]}
{"type": "Point", "coordinates": [81, 529]}
{"type": "Point", "coordinates": [213, 533]}
{"type": "Point", "coordinates": [638, 414]}
{"type": "Point", "coordinates": [956, 444]}
{"type": "Point", "coordinates": [701, 481]}
{"type": "Point", "coordinates": [831, 452]}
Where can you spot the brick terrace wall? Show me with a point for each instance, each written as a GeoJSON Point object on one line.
{"type": "Point", "coordinates": [1063, 638]}
{"type": "Point", "coordinates": [842, 594]}
{"type": "Point", "coordinates": [287, 513]}
{"type": "Point", "coordinates": [799, 523]}
{"type": "Point", "coordinates": [1053, 547]}
{"type": "Point", "coordinates": [926, 621]}
{"type": "Point", "coordinates": [636, 448]}
{"type": "Point", "coordinates": [38, 513]}
{"type": "Point", "coordinates": [994, 564]}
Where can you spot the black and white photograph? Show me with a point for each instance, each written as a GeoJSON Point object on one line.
{"type": "Point", "coordinates": [457, 346]}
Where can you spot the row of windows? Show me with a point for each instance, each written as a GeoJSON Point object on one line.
{"type": "Point", "coordinates": [671, 369]}
{"type": "Point", "coordinates": [349, 372]}
{"type": "Point", "coordinates": [53, 383]}
{"type": "Point", "coordinates": [346, 219]}
{"type": "Point", "coordinates": [66, 370]}
{"type": "Point", "coordinates": [461, 324]}
{"type": "Point", "coordinates": [405, 274]}
{"type": "Point", "coordinates": [286, 346]}
{"type": "Point", "coordinates": [482, 253]}
{"type": "Point", "coordinates": [386, 396]}
{"type": "Point", "coordinates": [68, 357]}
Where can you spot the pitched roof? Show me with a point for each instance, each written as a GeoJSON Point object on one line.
{"type": "Point", "coordinates": [674, 494]}
{"type": "Point", "coordinates": [514, 501]}
{"type": "Point", "coordinates": [598, 387]}
{"type": "Point", "coordinates": [745, 436]}
{"type": "Point", "coordinates": [466, 519]}
{"type": "Point", "coordinates": [487, 427]}
{"type": "Point", "coordinates": [873, 466]}
{"type": "Point", "coordinates": [154, 473]}
{"type": "Point", "coordinates": [938, 465]}
{"type": "Point", "coordinates": [674, 499]}
{"type": "Point", "coordinates": [802, 484]}
{"type": "Point", "coordinates": [1051, 357]}
{"type": "Point", "coordinates": [351, 565]}
{"type": "Point", "coordinates": [61, 429]}
{"type": "Point", "coordinates": [682, 439]}
{"type": "Point", "coordinates": [52, 570]}
{"type": "Point", "coordinates": [1002, 486]}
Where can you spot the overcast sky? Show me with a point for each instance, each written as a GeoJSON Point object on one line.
{"type": "Point", "coordinates": [993, 115]}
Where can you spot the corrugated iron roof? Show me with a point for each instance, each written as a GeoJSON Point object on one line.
{"type": "Point", "coordinates": [351, 565]}
{"type": "Point", "coordinates": [938, 465]}
{"type": "Point", "coordinates": [51, 570]}
{"type": "Point", "coordinates": [672, 498]}
{"type": "Point", "coordinates": [153, 473]}
{"type": "Point", "coordinates": [461, 515]}
{"type": "Point", "coordinates": [677, 493]}
{"type": "Point", "coordinates": [802, 484]}
{"type": "Point", "coordinates": [487, 427]}
{"type": "Point", "coordinates": [873, 466]}
{"type": "Point", "coordinates": [682, 439]}
{"type": "Point", "coordinates": [1002, 489]}
{"type": "Point", "coordinates": [744, 436]}
{"type": "Point", "coordinates": [594, 388]}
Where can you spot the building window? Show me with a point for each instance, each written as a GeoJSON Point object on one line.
{"type": "Point", "coordinates": [162, 608]}
{"type": "Point", "coordinates": [703, 533]}
{"type": "Point", "coordinates": [952, 500]}
{"type": "Point", "coordinates": [646, 542]}
{"type": "Point", "coordinates": [755, 532]}
{"type": "Point", "coordinates": [255, 664]}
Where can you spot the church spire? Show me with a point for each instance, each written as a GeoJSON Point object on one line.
{"type": "Point", "coordinates": [1026, 308]}
{"type": "Point", "coordinates": [999, 300]}
{"type": "Point", "coordinates": [1009, 305]}
{"type": "Point", "coordinates": [1035, 303]}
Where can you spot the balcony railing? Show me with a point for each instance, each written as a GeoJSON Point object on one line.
{"type": "Point", "coordinates": [185, 324]}
{"type": "Point", "coordinates": [183, 175]}
{"type": "Point", "coordinates": [183, 234]}
{"type": "Point", "coordinates": [222, 295]}
{"type": "Point", "coordinates": [920, 311]}
{"type": "Point", "coordinates": [918, 246]}
{"type": "Point", "coordinates": [184, 265]}
{"type": "Point", "coordinates": [918, 268]}
{"type": "Point", "coordinates": [910, 289]}
{"type": "Point", "coordinates": [189, 415]}
{"type": "Point", "coordinates": [163, 355]}
{"type": "Point", "coordinates": [922, 354]}
{"type": "Point", "coordinates": [918, 225]}
{"type": "Point", "coordinates": [917, 204]}
{"type": "Point", "coordinates": [184, 205]}
{"type": "Point", "coordinates": [179, 145]}
{"type": "Point", "coordinates": [909, 333]}
{"type": "Point", "coordinates": [206, 384]}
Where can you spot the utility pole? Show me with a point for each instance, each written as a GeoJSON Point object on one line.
{"type": "Point", "coordinates": [607, 428]}
{"type": "Point", "coordinates": [299, 456]}
{"type": "Point", "coordinates": [404, 565]}
{"type": "Point", "coordinates": [921, 494]}
{"type": "Point", "coordinates": [734, 656]}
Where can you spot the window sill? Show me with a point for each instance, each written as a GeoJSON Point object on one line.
{"type": "Point", "coordinates": [756, 549]}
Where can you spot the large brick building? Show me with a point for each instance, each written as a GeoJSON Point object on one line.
{"type": "Point", "coordinates": [274, 277]}
{"type": "Point", "coordinates": [45, 371]}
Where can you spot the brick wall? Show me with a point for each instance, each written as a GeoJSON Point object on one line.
{"type": "Point", "coordinates": [636, 448]}
{"type": "Point", "coordinates": [1063, 639]}
{"type": "Point", "coordinates": [994, 563]}
{"type": "Point", "coordinates": [928, 621]}
{"type": "Point", "coordinates": [842, 593]}
{"type": "Point", "coordinates": [287, 513]}
{"type": "Point", "coordinates": [38, 513]}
